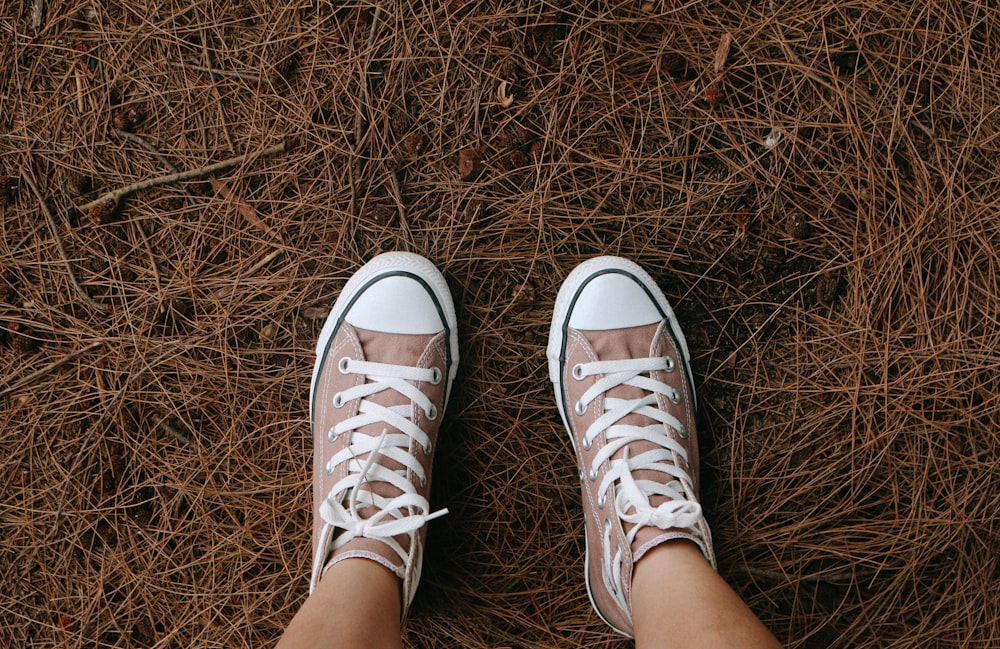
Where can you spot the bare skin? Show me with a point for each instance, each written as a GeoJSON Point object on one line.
{"type": "Point", "coordinates": [677, 601]}
{"type": "Point", "coordinates": [356, 604]}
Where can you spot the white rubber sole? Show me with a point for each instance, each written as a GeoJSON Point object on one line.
{"type": "Point", "coordinates": [392, 263]}
{"type": "Point", "coordinates": [556, 348]}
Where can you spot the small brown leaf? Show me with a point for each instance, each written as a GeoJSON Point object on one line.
{"type": "Point", "coordinates": [722, 54]}
{"type": "Point", "coordinates": [22, 338]}
{"type": "Point", "coordinates": [537, 151]}
{"type": "Point", "coordinates": [470, 164]}
{"type": "Point", "coordinates": [797, 225]}
{"type": "Point", "coordinates": [412, 143]}
{"type": "Point", "coordinates": [67, 624]}
{"type": "Point", "coordinates": [673, 65]}
{"type": "Point", "coordinates": [713, 95]}
{"type": "Point", "coordinates": [828, 287]}
{"type": "Point", "coordinates": [79, 183]}
{"type": "Point", "coordinates": [128, 119]}
{"type": "Point", "coordinates": [383, 214]}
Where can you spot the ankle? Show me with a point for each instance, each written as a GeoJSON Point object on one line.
{"type": "Point", "coordinates": [674, 587]}
{"type": "Point", "coordinates": [667, 558]}
{"type": "Point", "coordinates": [356, 604]}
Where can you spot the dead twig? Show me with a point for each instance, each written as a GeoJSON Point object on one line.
{"type": "Point", "coordinates": [192, 174]}
{"type": "Point", "coordinates": [397, 195]}
{"type": "Point", "coordinates": [79, 91]}
{"type": "Point", "coordinates": [36, 14]}
{"type": "Point", "coordinates": [722, 54]}
{"type": "Point", "coordinates": [142, 142]}
{"type": "Point", "coordinates": [25, 380]}
{"type": "Point", "coordinates": [265, 261]}
{"type": "Point", "coordinates": [23, 241]}
{"type": "Point", "coordinates": [62, 249]}
{"type": "Point", "coordinates": [243, 207]}
{"type": "Point", "coordinates": [162, 424]}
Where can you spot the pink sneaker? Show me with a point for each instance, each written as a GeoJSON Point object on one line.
{"type": "Point", "coordinates": [619, 365]}
{"type": "Point", "coordinates": [385, 363]}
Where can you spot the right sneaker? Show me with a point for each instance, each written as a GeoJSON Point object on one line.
{"type": "Point", "coordinates": [620, 368]}
{"type": "Point", "coordinates": [385, 363]}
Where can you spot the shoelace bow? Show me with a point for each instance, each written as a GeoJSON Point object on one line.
{"type": "Point", "coordinates": [680, 509]}
{"type": "Point", "coordinates": [404, 513]}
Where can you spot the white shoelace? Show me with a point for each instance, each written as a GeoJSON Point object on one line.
{"type": "Point", "coordinates": [680, 509]}
{"type": "Point", "coordinates": [402, 514]}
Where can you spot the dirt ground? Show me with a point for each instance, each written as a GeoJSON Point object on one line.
{"type": "Point", "coordinates": [818, 199]}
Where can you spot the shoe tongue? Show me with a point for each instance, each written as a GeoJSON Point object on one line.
{"type": "Point", "coordinates": [403, 349]}
{"type": "Point", "coordinates": [620, 344]}
{"type": "Point", "coordinates": [400, 349]}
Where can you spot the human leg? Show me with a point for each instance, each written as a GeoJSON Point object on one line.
{"type": "Point", "coordinates": [678, 600]}
{"type": "Point", "coordinates": [385, 363]}
{"type": "Point", "coordinates": [355, 605]}
{"type": "Point", "coordinates": [620, 367]}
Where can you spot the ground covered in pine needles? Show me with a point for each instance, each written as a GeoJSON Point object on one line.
{"type": "Point", "coordinates": [814, 185]}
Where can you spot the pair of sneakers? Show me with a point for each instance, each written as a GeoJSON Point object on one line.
{"type": "Point", "coordinates": [386, 361]}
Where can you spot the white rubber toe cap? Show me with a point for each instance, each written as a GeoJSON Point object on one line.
{"type": "Point", "coordinates": [613, 301]}
{"type": "Point", "coordinates": [396, 304]}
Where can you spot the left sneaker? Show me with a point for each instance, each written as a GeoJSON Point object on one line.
{"type": "Point", "coordinates": [620, 368]}
{"type": "Point", "coordinates": [385, 362]}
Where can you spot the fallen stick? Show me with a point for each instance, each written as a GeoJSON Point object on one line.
{"type": "Point", "coordinates": [62, 249]}
{"type": "Point", "coordinates": [162, 424]}
{"type": "Point", "coordinates": [264, 262]}
{"type": "Point", "coordinates": [244, 208]}
{"type": "Point", "coordinates": [142, 142]}
{"type": "Point", "coordinates": [118, 194]}
{"type": "Point", "coordinates": [397, 195]}
{"type": "Point", "coordinates": [25, 380]}
{"type": "Point", "coordinates": [36, 15]}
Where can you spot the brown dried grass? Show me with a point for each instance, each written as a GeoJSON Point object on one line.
{"type": "Point", "coordinates": [155, 490]}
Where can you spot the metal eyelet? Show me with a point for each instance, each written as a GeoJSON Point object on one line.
{"type": "Point", "coordinates": [580, 408]}
{"type": "Point", "coordinates": [435, 376]}
{"type": "Point", "coordinates": [670, 364]}
{"type": "Point", "coordinates": [607, 526]}
{"type": "Point", "coordinates": [342, 365]}
{"type": "Point", "coordinates": [428, 448]}
{"type": "Point", "coordinates": [329, 469]}
{"type": "Point", "coordinates": [578, 371]}
{"type": "Point", "coordinates": [423, 482]}
{"type": "Point", "coordinates": [675, 396]}
{"type": "Point", "coordinates": [587, 444]}
{"type": "Point", "coordinates": [432, 412]}
{"type": "Point", "coordinates": [592, 475]}
{"type": "Point", "coordinates": [600, 501]}
{"type": "Point", "coordinates": [331, 436]}
{"type": "Point", "coordinates": [338, 400]}
{"type": "Point", "coordinates": [682, 432]}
